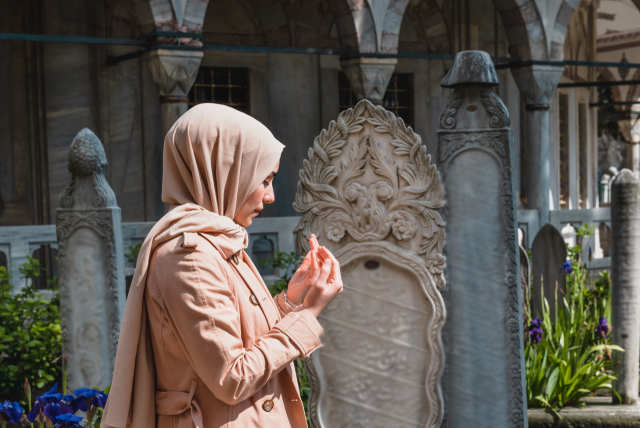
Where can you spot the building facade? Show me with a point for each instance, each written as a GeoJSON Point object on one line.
{"type": "Point", "coordinates": [292, 65]}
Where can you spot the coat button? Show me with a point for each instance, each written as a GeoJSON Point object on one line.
{"type": "Point", "coordinates": [267, 406]}
{"type": "Point", "coordinates": [254, 300]}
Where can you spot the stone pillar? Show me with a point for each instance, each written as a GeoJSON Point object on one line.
{"type": "Point", "coordinates": [91, 265]}
{"type": "Point", "coordinates": [537, 85]}
{"type": "Point", "coordinates": [369, 77]}
{"type": "Point", "coordinates": [625, 283]}
{"type": "Point", "coordinates": [174, 71]}
{"type": "Point", "coordinates": [485, 380]}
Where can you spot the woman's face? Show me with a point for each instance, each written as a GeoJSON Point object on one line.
{"type": "Point", "coordinates": [255, 203]}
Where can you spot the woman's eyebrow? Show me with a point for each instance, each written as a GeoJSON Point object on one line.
{"type": "Point", "coordinates": [274, 174]}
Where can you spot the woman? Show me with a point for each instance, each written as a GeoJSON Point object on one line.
{"type": "Point", "coordinates": [202, 343]}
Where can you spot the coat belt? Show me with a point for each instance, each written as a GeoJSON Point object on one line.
{"type": "Point", "coordinates": [172, 403]}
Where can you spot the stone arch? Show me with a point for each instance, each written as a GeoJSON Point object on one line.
{"type": "Point", "coordinates": [368, 27]}
{"type": "Point", "coordinates": [233, 22]}
{"type": "Point", "coordinates": [432, 29]}
{"type": "Point", "coordinates": [524, 28]}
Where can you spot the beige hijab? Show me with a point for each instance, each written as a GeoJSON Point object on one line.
{"type": "Point", "coordinates": [215, 157]}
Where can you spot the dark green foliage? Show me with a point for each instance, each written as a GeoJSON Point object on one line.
{"type": "Point", "coordinates": [285, 263]}
{"type": "Point", "coordinates": [132, 254]}
{"type": "Point", "coordinates": [30, 335]}
{"type": "Point", "coordinates": [573, 358]}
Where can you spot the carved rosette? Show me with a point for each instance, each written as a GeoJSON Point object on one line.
{"type": "Point", "coordinates": [368, 190]}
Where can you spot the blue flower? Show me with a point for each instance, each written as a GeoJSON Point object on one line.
{"type": "Point", "coordinates": [86, 397]}
{"type": "Point", "coordinates": [535, 330]}
{"type": "Point", "coordinates": [51, 404]}
{"type": "Point", "coordinates": [67, 421]}
{"type": "Point", "coordinates": [567, 267]}
{"type": "Point", "coordinates": [602, 329]}
{"type": "Point", "coordinates": [11, 411]}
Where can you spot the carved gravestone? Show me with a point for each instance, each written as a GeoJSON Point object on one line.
{"type": "Point", "coordinates": [370, 194]}
{"type": "Point", "coordinates": [548, 253]}
{"type": "Point", "coordinates": [91, 266]}
{"type": "Point", "coordinates": [484, 383]}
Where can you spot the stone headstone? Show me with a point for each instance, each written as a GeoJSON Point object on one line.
{"type": "Point", "coordinates": [625, 283]}
{"type": "Point", "coordinates": [484, 383]}
{"type": "Point", "coordinates": [91, 266]}
{"type": "Point", "coordinates": [371, 195]}
{"type": "Point", "coordinates": [548, 253]}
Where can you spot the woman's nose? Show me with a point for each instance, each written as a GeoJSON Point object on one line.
{"type": "Point", "coordinates": [269, 197]}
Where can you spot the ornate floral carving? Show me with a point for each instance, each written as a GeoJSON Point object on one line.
{"type": "Point", "coordinates": [456, 141]}
{"type": "Point", "coordinates": [404, 200]}
{"type": "Point", "coordinates": [495, 106]}
{"type": "Point", "coordinates": [447, 116]}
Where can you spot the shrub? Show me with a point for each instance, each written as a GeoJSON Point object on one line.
{"type": "Point", "coordinates": [567, 359]}
{"type": "Point", "coordinates": [30, 334]}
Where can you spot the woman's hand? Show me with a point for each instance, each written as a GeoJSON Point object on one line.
{"type": "Point", "coordinates": [327, 286]}
{"type": "Point", "coordinates": [307, 273]}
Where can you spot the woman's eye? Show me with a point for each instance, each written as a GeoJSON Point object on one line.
{"type": "Point", "coordinates": [266, 183]}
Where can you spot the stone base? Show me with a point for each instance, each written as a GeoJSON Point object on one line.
{"type": "Point", "coordinates": [599, 413]}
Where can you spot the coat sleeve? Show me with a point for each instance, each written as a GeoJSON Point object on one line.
{"type": "Point", "coordinates": [197, 293]}
{"type": "Point", "coordinates": [283, 307]}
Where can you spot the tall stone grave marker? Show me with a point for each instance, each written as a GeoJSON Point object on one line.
{"type": "Point", "coordinates": [371, 195]}
{"type": "Point", "coordinates": [548, 253]}
{"type": "Point", "coordinates": [91, 263]}
{"type": "Point", "coordinates": [625, 283]}
{"type": "Point", "coordinates": [484, 385]}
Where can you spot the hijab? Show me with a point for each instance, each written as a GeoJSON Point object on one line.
{"type": "Point", "coordinates": [215, 157]}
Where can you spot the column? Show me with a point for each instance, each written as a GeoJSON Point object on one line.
{"type": "Point", "coordinates": [625, 283]}
{"type": "Point", "coordinates": [537, 84]}
{"type": "Point", "coordinates": [369, 77]}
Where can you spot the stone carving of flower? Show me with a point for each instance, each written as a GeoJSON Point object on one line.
{"type": "Point", "coordinates": [334, 231]}
{"type": "Point", "coordinates": [403, 225]}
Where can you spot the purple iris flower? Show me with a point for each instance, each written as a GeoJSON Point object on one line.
{"type": "Point", "coordinates": [51, 404]}
{"type": "Point", "coordinates": [602, 329]}
{"type": "Point", "coordinates": [11, 411]}
{"type": "Point", "coordinates": [86, 397]}
{"type": "Point", "coordinates": [567, 267]}
{"type": "Point", "coordinates": [67, 421]}
{"type": "Point", "coordinates": [535, 330]}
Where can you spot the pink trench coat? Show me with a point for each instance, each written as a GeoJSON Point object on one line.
{"type": "Point", "coordinates": [223, 348]}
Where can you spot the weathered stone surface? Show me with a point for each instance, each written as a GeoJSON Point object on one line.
{"type": "Point", "coordinates": [596, 415]}
{"type": "Point", "coordinates": [91, 265]}
{"type": "Point", "coordinates": [371, 195]}
{"type": "Point", "coordinates": [369, 77]}
{"type": "Point", "coordinates": [471, 67]}
{"type": "Point", "coordinates": [625, 283]}
{"type": "Point", "coordinates": [484, 382]}
{"type": "Point", "coordinates": [548, 253]}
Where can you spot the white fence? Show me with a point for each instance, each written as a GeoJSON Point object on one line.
{"type": "Point", "coordinates": [18, 242]}
{"type": "Point", "coordinates": [268, 235]}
